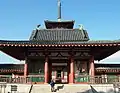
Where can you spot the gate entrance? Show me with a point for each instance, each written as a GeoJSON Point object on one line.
{"type": "Point", "coordinates": [60, 72]}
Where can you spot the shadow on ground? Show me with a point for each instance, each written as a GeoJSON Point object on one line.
{"type": "Point", "coordinates": [59, 87]}
{"type": "Point", "coordinates": [93, 90]}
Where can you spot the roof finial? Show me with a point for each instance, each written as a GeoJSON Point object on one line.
{"type": "Point", "coordinates": [37, 27]}
{"type": "Point", "coordinates": [59, 10]}
{"type": "Point", "coordinates": [81, 27]}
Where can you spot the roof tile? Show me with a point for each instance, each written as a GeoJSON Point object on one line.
{"type": "Point", "coordinates": [59, 35]}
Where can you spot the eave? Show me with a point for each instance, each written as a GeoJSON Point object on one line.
{"type": "Point", "coordinates": [54, 24]}
{"type": "Point", "coordinates": [58, 43]}
{"type": "Point", "coordinates": [107, 68]}
{"type": "Point", "coordinates": [110, 70]}
{"type": "Point", "coordinates": [11, 71]}
{"type": "Point", "coordinates": [95, 46]}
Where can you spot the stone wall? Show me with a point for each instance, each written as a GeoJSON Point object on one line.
{"type": "Point", "coordinates": [43, 88]}
{"type": "Point", "coordinates": [66, 88]}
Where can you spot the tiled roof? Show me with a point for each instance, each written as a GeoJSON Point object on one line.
{"type": "Point", "coordinates": [59, 24]}
{"type": "Point", "coordinates": [40, 42]}
{"type": "Point", "coordinates": [56, 35]}
{"type": "Point", "coordinates": [11, 68]}
{"type": "Point", "coordinates": [113, 70]}
{"type": "Point", "coordinates": [62, 21]}
{"type": "Point", "coordinates": [106, 66]}
{"type": "Point", "coordinates": [20, 45]}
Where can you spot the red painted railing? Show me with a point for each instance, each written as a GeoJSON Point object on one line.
{"type": "Point", "coordinates": [79, 79]}
{"type": "Point", "coordinates": [97, 79]}
{"type": "Point", "coordinates": [22, 80]}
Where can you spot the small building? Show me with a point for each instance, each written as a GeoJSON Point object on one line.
{"type": "Point", "coordinates": [59, 52]}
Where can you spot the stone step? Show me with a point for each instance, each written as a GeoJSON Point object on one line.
{"type": "Point", "coordinates": [62, 89]}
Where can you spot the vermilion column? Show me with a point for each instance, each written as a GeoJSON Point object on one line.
{"type": "Point", "coordinates": [25, 68]}
{"type": "Point", "coordinates": [92, 68]}
{"type": "Point", "coordinates": [71, 74]}
{"type": "Point", "coordinates": [46, 69]}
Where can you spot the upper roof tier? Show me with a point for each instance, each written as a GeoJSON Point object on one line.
{"type": "Point", "coordinates": [59, 35]}
{"type": "Point", "coordinates": [59, 24]}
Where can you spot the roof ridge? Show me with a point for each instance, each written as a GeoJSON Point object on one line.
{"type": "Point", "coordinates": [57, 29]}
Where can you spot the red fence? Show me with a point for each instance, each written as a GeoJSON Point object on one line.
{"type": "Point", "coordinates": [22, 80]}
{"type": "Point", "coordinates": [97, 79]}
{"type": "Point", "coordinates": [79, 79]}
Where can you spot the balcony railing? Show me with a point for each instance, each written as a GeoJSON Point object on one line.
{"type": "Point", "coordinates": [97, 79]}
{"type": "Point", "coordinates": [22, 80]}
{"type": "Point", "coordinates": [78, 79]}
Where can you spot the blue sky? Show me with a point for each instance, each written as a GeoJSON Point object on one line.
{"type": "Point", "coordinates": [101, 18]}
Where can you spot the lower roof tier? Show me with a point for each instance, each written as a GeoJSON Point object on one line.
{"type": "Point", "coordinates": [107, 68]}
{"type": "Point", "coordinates": [11, 68]}
{"type": "Point", "coordinates": [99, 49]}
{"type": "Point", "coordinates": [60, 43]}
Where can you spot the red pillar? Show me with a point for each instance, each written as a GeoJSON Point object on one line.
{"type": "Point", "coordinates": [25, 68]}
{"type": "Point", "coordinates": [68, 72]}
{"type": "Point", "coordinates": [46, 69]}
{"type": "Point", "coordinates": [50, 71]}
{"type": "Point", "coordinates": [92, 68]}
{"type": "Point", "coordinates": [71, 74]}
